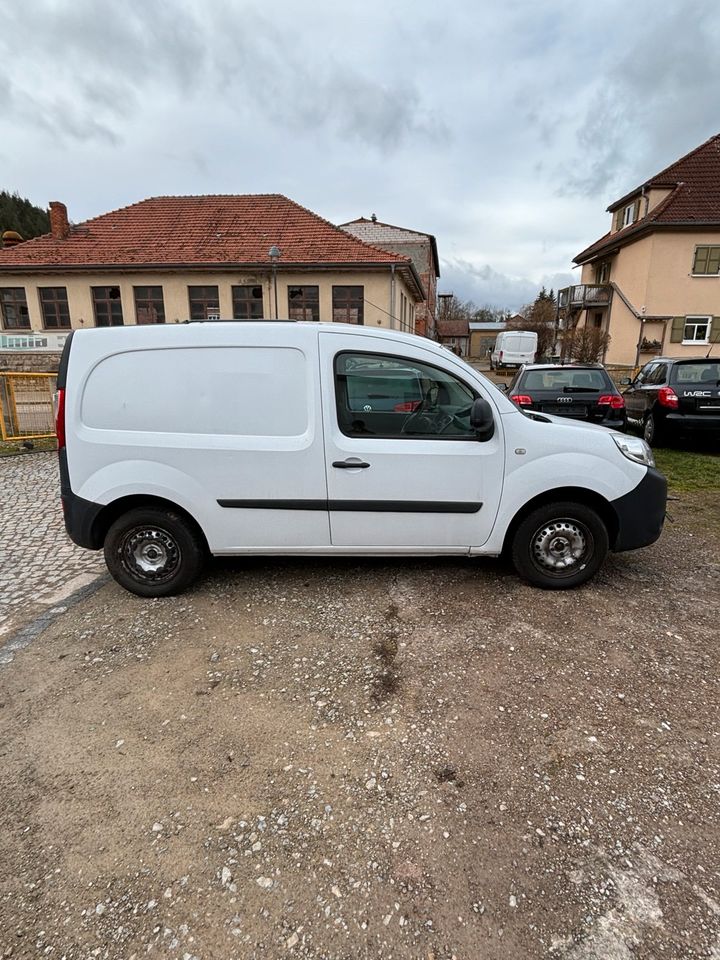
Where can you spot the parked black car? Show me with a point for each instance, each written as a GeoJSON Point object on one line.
{"type": "Point", "coordinates": [580, 391]}
{"type": "Point", "coordinates": [674, 398]}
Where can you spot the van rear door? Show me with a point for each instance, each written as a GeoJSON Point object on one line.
{"type": "Point", "coordinates": [404, 469]}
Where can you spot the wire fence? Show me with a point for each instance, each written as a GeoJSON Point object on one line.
{"type": "Point", "coordinates": [26, 406]}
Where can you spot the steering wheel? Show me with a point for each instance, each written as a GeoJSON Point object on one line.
{"type": "Point", "coordinates": [434, 422]}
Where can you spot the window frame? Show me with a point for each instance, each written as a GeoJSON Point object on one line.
{"type": "Point", "coordinates": [204, 300]}
{"type": "Point", "coordinates": [109, 301]}
{"type": "Point", "coordinates": [55, 302]}
{"type": "Point", "coordinates": [7, 325]}
{"type": "Point", "coordinates": [697, 320]}
{"type": "Point", "coordinates": [137, 299]}
{"type": "Point", "coordinates": [314, 307]}
{"type": "Point", "coordinates": [709, 247]}
{"type": "Point", "coordinates": [250, 301]}
{"type": "Point", "coordinates": [347, 304]}
{"type": "Point", "coordinates": [470, 438]}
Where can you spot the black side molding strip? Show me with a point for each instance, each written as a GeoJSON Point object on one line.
{"type": "Point", "coordinates": [362, 506]}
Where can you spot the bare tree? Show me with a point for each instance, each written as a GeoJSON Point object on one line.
{"type": "Point", "coordinates": [539, 318]}
{"type": "Point", "coordinates": [584, 344]}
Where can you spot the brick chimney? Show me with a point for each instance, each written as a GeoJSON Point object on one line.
{"type": "Point", "coordinates": [59, 226]}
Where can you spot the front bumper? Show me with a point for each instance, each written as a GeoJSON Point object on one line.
{"type": "Point", "coordinates": [641, 513]}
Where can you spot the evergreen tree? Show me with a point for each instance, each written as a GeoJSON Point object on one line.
{"type": "Point", "coordinates": [20, 215]}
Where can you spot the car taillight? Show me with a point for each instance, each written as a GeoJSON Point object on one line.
{"type": "Point", "coordinates": [612, 400]}
{"type": "Point", "coordinates": [407, 407]}
{"type": "Point", "coordinates": [60, 419]}
{"type": "Point", "coordinates": [668, 398]}
{"type": "Point", "coordinates": [522, 399]}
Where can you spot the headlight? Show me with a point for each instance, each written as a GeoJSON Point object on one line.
{"type": "Point", "coordinates": [634, 449]}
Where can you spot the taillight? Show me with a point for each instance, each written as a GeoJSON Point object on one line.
{"type": "Point", "coordinates": [668, 398]}
{"type": "Point", "coordinates": [522, 399]}
{"type": "Point", "coordinates": [60, 419]}
{"type": "Point", "coordinates": [407, 407]}
{"type": "Point", "coordinates": [612, 400]}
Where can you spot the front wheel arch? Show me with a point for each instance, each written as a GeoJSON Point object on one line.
{"type": "Point", "coordinates": [588, 498]}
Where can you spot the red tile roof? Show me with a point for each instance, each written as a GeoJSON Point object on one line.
{"type": "Point", "coordinates": [200, 231]}
{"type": "Point", "coordinates": [453, 328]}
{"type": "Point", "coordinates": [694, 181]}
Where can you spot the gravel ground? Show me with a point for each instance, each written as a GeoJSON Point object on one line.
{"type": "Point", "coordinates": [372, 760]}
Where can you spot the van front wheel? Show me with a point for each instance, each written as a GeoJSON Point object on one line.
{"type": "Point", "coordinates": [560, 545]}
{"type": "Point", "coordinates": [153, 552]}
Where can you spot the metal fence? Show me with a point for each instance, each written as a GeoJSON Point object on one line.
{"type": "Point", "coordinates": [26, 406]}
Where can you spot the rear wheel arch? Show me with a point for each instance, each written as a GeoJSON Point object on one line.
{"type": "Point", "coordinates": [114, 510]}
{"type": "Point", "coordinates": [588, 498]}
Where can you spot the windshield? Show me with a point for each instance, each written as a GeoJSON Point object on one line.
{"type": "Point", "coordinates": [567, 380]}
{"type": "Point", "coordinates": [693, 374]}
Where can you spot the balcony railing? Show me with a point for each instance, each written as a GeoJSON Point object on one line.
{"type": "Point", "coordinates": [584, 295]}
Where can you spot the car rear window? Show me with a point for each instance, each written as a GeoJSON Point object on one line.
{"type": "Point", "coordinates": [560, 379]}
{"type": "Point", "coordinates": [704, 371]}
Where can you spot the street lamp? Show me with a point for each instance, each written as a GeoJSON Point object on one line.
{"type": "Point", "coordinates": [274, 254]}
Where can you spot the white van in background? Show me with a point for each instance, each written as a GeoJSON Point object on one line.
{"type": "Point", "coordinates": [227, 438]}
{"type": "Point", "coordinates": [513, 348]}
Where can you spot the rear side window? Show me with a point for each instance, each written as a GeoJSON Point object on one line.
{"type": "Point", "coordinates": [395, 398]}
{"type": "Point", "coordinates": [240, 391]}
{"type": "Point", "coordinates": [707, 372]}
{"type": "Point", "coordinates": [562, 379]}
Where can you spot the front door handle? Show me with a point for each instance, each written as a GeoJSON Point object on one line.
{"type": "Point", "coordinates": [350, 464]}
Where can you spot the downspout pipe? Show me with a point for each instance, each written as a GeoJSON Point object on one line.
{"type": "Point", "coordinates": [392, 294]}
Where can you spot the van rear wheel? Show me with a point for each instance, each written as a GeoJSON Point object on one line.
{"type": "Point", "coordinates": [153, 552]}
{"type": "Point", "coordinates": [560, 545]}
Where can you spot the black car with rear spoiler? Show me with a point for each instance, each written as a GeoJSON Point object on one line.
{"type": "Point", "coordinates": [672, 398]}
{"type": "Point", "coordinates": [578, 391]}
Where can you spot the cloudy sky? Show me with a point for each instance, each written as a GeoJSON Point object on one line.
{"type": "Point", "coordinates": [504, 127]}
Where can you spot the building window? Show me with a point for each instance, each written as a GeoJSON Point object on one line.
{"type": "Point", "coordinates": [13, 304]}
{"type": "Point", "coordinates": [707, 261]}
{"type": "Point", "coordinates": [697, 330]}
{"type": "Point", "coordinates": [602, 272]}
{"type": "Point", "coordinates": [347, 304]}
{"type": "Point", "coordinates": [247, 303]}
{"type": "Point", "coordinates": [304, 303]}
{"type": "Point", "coordinates": [597, 320]}
{"type": "Point", "coordinates": [55, 309]}
{"type": "Point", "coordinates": [629, 215]}
{"type": "Point", "coordinates": [204, 303]}
{"type": "Point", "coordinates": [149, 305]}
{"type": "Point", "coordinates": [107, 305]}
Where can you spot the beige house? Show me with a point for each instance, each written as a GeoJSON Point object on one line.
{"type": "Point", "coordinates": [653, 281]}
{"type": "Point", "coordinates": [171, 259]}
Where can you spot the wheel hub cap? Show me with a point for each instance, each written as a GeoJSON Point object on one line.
{"type": "Point", "coordinates": [150, 554]}
{"type": "Point", "coordinates": [559, 546]}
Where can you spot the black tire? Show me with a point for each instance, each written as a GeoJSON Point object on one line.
{"type": "Point", "coordinates": [653, 432]}
{"type": "Point", "coordinates": [154, 552]}
{"type": "Point", "coordinates": [560, 545]}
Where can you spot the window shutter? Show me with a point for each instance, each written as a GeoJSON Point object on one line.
{"type": "Point", "coordinates": [713, 262]}
{"type": "Point", "coordinates": [678, 329]}
{"type": "Point", "coordinates": [618, 219]}
{"type": "Point", "coordinates": [715, 330]}
{"type": "Point", "coordinates": [701, 260]}
{"type": "Point", "coordinates": [636, 210]}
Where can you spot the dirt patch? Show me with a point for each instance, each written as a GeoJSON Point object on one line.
{"type": "Point", "coordinates": [372, 760]}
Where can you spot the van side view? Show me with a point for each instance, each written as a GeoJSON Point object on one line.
{"type": "Point", "coordinates": [231, 438]}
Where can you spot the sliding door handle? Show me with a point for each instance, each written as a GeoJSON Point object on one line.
{"type": "Point", "coordinates": [350, 464]}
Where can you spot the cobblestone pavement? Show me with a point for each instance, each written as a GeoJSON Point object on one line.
{"type": "Point", "coordinates": [39, 566]}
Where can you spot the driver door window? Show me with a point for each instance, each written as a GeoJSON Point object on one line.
{"type": "Point", "coordinates": [393, 398]}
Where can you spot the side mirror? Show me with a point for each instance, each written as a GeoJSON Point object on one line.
{"type": "Point", "coordinates": [625, 382]}
{"type": "Point", "coordinates": [482, 420]}
{"type": "Point", "coordinates": [503, 387]}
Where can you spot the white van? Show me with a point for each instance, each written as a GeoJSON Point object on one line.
{"type": "Point", "coordinates": [513, 348]}
{"type": "Point", "coordinates": [308, 438]}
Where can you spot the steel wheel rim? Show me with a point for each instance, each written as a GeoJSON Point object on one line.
{"type": "Point", "coordinates": [150, 554]}
{"type": "Point", "coordinates": [561, 548]}
{"type": "Point", "coordinates": [649, 431]}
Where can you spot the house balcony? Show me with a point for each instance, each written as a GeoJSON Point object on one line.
{"type": "Point", "coordinates": [583, 296]}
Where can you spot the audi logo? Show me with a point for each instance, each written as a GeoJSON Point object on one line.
{"type": "Point", "coordinates": [564, 399]}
